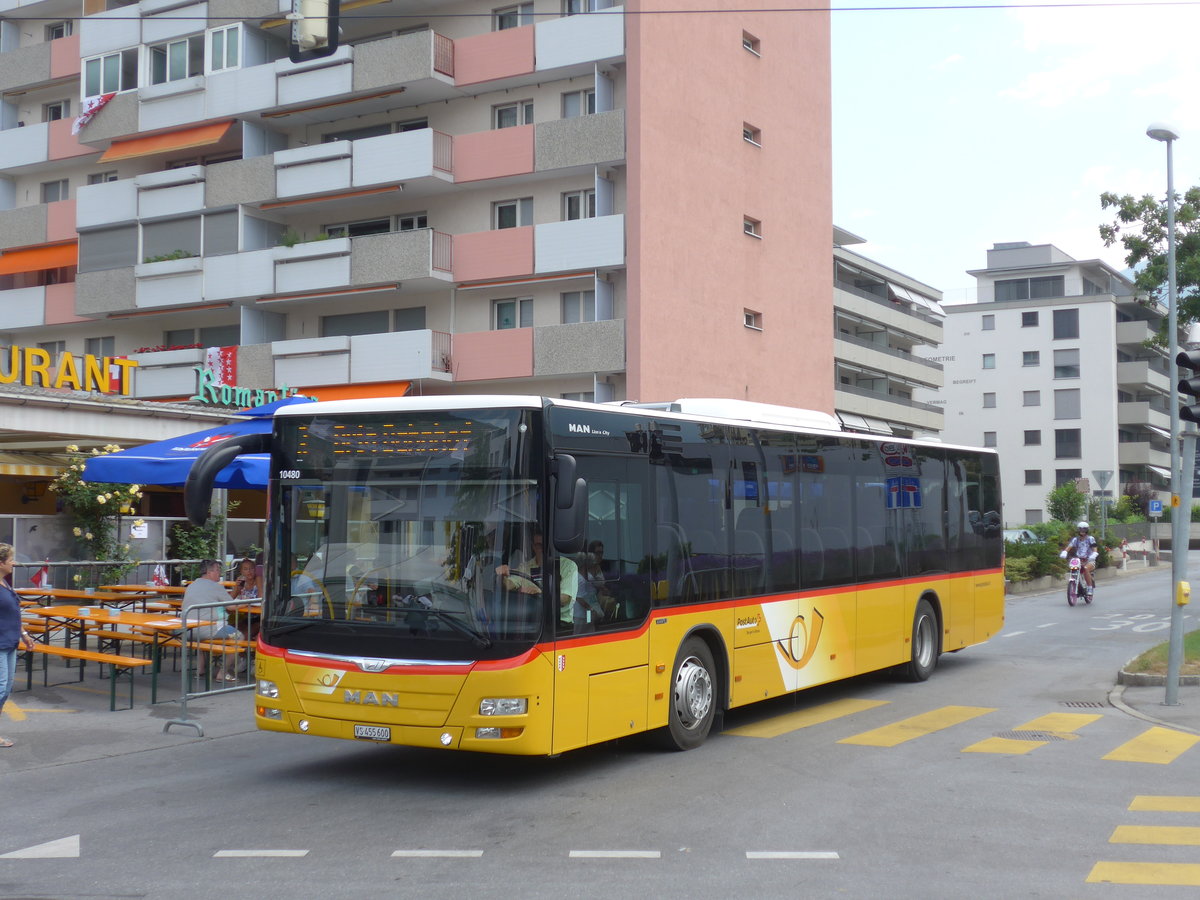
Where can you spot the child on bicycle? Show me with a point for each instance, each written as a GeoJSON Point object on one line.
{"type": "Point", "coordinates": [1084, 546]}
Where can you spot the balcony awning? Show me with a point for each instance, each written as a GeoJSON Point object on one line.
{"type": "Point", "coordinates": [1160, 472]}
{"type": "Point", "coordinates": [31, 464]}
{"type": "Point", "coordinates": [1161, 432]}
{"type": "Point", "coordinates": [35, 259]}
{"type": "Point", "coordinates": [181, 139]}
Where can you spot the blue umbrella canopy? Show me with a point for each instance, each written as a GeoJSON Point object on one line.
{"type": "Point", "coordinates": [167, 463]}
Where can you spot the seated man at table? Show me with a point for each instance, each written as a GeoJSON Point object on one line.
{"type": "Point", "coordinates": [208, 589]}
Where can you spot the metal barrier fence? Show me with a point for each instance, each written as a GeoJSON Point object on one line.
{"type": "Point", "coordinates": [213, 662]}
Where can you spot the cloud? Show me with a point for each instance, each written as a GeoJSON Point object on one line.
{"type": "Point", "coordinates": [951, 61]}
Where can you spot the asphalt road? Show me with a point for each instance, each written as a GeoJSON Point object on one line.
{"type": "Point", "coordinates": [1006, 775]}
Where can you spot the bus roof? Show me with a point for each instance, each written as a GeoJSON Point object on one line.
{"type": "Point", "coordinates": [708, 409]}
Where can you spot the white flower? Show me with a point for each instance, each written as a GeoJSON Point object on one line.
{"type": "Point", "coordinates": [88, 536]}
{"type": "Point", "coordinates": [78, 578]}
{"type": "Point", "coordinates": [138, 523]}
{"type": "Point", "coordinates": [108, 496]}
{"type": "Point", "coordinates": [101, 499]}
{"type": "Point", "coordinates": [72, 448]}
{"type": "Point", "coordinates": [77, 531]}
{"type": "Point", "coordinates": [133, 488]}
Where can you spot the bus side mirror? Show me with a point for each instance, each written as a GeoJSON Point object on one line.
{"type": "Point", "coordinates": [570, 505]}
{"type": "Point", "coordinates": [197, 490]}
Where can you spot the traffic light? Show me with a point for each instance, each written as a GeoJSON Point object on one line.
{"type": "Point", "coordinates": [1189, 388]}
{"type": "Point", "coordinates": [314, 29]}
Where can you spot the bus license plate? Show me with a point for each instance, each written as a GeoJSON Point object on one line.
{"type": "Point", "coordinates": [373, 732]}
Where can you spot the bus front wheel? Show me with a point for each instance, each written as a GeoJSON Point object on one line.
{"type": "Point", "coordinates": [924, 643]}
{"type": "Point", "coordinates": [693, 697]}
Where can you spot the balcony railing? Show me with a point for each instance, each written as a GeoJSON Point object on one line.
{"type": "Point", "coordinates": [443, 55]}
{"type": "Point", "coordinates": [888, 398]}
{"type": "Point", "coordinates": [884, 348]}
{"type": "Point", "coordinates": [443, 252]}
{"type": "Point", "coordinates": [883, 301]}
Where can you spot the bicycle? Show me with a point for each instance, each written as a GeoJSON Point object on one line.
{"type": "Point", "coordinates": [1076, 582]}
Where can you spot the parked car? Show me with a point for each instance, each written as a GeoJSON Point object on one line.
{"type": "Point", "coordinates": [1021, 536]}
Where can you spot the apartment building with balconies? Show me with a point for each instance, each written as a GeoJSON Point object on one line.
{"type": "Point", "coordinates": [887, 330]}
{"type": "Point", "coordinates": [543, 197]}
{"type": "Point", "coordinates": [1055, 366]}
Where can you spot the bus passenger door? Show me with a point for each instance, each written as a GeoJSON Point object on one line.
{"type": "Point", "coordinates": [600, 650]}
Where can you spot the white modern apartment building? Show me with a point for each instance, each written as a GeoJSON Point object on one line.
{"type": "Point", "coordinates": [887, 328]}
{"type": "Point", "coordinates": [1051, 367]}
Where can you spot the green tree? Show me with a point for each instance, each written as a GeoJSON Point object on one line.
{"type": "Point", "coordinates": [1140, 226]}
{"type": "Point", "coordinates": [1066, 503]}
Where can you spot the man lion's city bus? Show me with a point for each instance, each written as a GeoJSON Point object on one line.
{"type": "Point", "coordinates": [528, 576]}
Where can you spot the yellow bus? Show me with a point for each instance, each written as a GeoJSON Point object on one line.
{"type": "Point", "coordinates": [525, 575]}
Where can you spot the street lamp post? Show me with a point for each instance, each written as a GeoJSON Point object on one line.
{"type": "Point", "coordinates": [1180, 510]}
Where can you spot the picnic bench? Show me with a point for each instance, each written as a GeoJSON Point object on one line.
{"type": "Point", "coordinates": [119, 667]}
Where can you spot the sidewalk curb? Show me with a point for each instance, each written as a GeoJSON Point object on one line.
{"type": "Point", "coordinates": [1115, 699]}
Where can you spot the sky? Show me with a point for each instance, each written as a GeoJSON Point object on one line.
{"type": "Point", "coordinates": [954, 129]}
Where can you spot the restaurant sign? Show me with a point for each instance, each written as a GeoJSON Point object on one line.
{"type": "Point", "coordinates": [213, 393]}
{"type": "Point", "coordinates": [35, 367]}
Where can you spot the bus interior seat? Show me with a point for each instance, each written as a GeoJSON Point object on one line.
{"type": "Point", "coordinates": [751, 559]}
{"type": "Point", "coordinates": [812, 557]}
{"type": "Point", "coordinates": [865, 551]}
{"type": "Point", "coordinates": [838, 564]}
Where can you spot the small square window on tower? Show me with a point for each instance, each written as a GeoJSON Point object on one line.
{"type": "Point", "coordinates": [751, 135]}
{"type": "Point", "coordinates": [752, 319]}
{"type": "Point", "coordinates": [752, 227]}
{"type": "Point", "coordinates": [751, 43]}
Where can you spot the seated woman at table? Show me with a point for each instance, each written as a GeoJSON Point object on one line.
{"type": "Point", "coordinates": [249, 585]}
{"type": "Point", "coordinates": [205, 590]}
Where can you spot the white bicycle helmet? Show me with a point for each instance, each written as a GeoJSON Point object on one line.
{"type": "Point", "coordinates": [1083, 526]}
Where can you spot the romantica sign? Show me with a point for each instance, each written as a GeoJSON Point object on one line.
{"type": "Point", "coordinates": [213, 393]}
{"type": "Point", "coordinates": [34, 367]}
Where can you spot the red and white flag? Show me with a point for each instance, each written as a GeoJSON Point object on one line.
{"type": "Point", "coordinates": [221, 362]}
{"type": "Point", "coordinates": [88, 110]}
{"type": "Point", "coordinates": [160, 576]}
{"type": "Point", "coordinates": [41, 578]}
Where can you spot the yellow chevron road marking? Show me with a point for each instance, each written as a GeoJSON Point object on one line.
{"type": "Point", "coordinates": [1060, 725]}
{"type": "Point", "coordinates": [1174, 835]}
{"type": "Point", "coordinates": [1151, 803]}
{"type": "Point", "coordinates": [917, 726]}
{"type": "Point", "coordinates": [803, 718]}
{"type": "Point", "coordinates": [1155, 745]}
{"type": "Point", "coordinates": [1180, 874]}
{"type": "Point", "coordinates": [18, 714]}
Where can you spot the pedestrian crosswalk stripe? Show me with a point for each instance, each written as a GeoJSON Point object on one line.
{"type": "Point", "coordinates": [803, 718]}
{"type": "Point", "coordinates": [1155, 745]}
{"type": "Point", "coordinates": [438, 854]}
{"type": "Point", "coordinates": [917, 726]}
{"type": "Point", "coordinates": [257, 854]}
{"type": "Point", "coordinates": [63, 848]}
{"type": "Point", "coordinates": [1178, 874]}
{"type": "Point", "coordinates": [1151, 803]}
{"type": "Point", "coordinates": [1056, 725]}
{"type": "Point", "coordinates": [1175, 835]}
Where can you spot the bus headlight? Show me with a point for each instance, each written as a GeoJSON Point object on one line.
{"type": "Point", "coordinates": [503, 706]}
{"type": "Point", "coordinates": [267, 689]}
{"type": "Point", "coordinates": [497, 733]}
{"type": "Point", "coordinates": [268, 713]}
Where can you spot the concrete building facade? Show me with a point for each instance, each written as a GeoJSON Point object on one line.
{"type": "Point", "coordinates": [462, 199]}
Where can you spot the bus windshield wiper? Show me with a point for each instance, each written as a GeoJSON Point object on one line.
{"type": "Point", "coordinates": [480, 640]}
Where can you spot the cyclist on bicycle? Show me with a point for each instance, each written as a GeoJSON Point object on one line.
{"type": "Point", "coordinates": [1084, 546]}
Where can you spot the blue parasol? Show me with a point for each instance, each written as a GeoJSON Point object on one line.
{"type": "Point", "coordinates": [167, 463]}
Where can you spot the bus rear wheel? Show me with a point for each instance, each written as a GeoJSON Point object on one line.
{"type": "Point", "coordinates": [693, 697]}
{"type": "Point", "coordinates": [924, 643]}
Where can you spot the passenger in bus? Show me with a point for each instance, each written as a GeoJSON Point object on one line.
{"type": "Point", "coordinates": [524, 575]}
{"type": "Point", "coordinates": [364, 593]}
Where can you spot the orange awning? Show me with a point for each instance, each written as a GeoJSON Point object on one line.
{"type": "Point", "coordinates": [183, 139]}
{"type": "Point", "coordinates": [34, 259]}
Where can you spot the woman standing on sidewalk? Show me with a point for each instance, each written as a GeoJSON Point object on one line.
{"type": "Point", "coordinates": [12, 635]}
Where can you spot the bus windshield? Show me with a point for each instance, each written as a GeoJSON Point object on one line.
{"type": "Point", "coordinates": [388, 531]}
